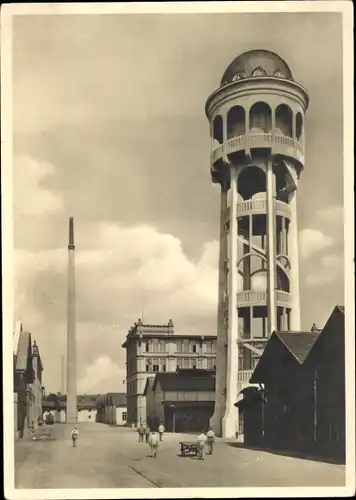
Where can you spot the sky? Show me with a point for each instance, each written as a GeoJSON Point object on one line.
{"type": "Point", "coordinates": [109, 127]}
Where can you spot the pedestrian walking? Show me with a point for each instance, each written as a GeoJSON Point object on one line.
{"type": "Point", "coordinates": [210, 440]}
{"type": "Point", "coordinates": [147, 433]}
{"type": "Point", "coordinates": [153, 444]}
{"type": "Point", "coordinates": [161, 430]}
{"type": "Point", "coordinates": [201, 442]}
{"type": "Point", "coordinates": [141, 433]}
{"type": "Point", "coordinates": [74, 434]}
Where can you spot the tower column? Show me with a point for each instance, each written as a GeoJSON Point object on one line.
{"type": "Point", "coordinates": [220, 381]}
{"type": "Point", "coordinates": [71, 413]}
{"type": "Point", "coordinates": [294, 259]}
{"type": "Point", "coordinates": [230, 420]}
{"type": "Point", "coordinates": [271, 248]}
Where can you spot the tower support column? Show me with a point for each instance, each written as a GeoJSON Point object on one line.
{"type": "Point", "coordinates": [220, 381]}
{"type": "Point", "coordinates": [230, 419]}
{"type": "Point", "coordinates": [294, 259]}
{"type": "Point", "coordinates": [271, 248]}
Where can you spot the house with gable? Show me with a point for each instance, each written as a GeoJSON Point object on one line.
{"type": "Point", "coordinates": [28, 388]}
{"type": "Point", "coordinates": [299, 405]}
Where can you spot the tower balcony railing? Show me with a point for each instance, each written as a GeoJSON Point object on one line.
{"type": "Point", "coordinates": [248, 298]}
{"type": "Point", "coordinates": [254, 207]}
{"type": "Point", "coordinates": [280, 144]}
{"type": "Point", "coordinates": [243, 376]}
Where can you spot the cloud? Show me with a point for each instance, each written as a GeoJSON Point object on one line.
{"type": "Point", "coordinates": [103, 372]}
{"type": "Point", "coordinates": [329, 269]}
{"type": "Point", "coordinates": [31, 197]}
{"type": "Point", "coordinates": [119, 271]}
{"type": "Point", "coordinates": [312, 241]}
{"type": "Point", "coordinates": [331, 215]}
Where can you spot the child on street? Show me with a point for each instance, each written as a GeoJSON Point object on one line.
{"type": "Point", "coordinates": [74, 434]}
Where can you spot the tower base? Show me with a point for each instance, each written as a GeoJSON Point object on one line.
{"type": "Point", "coordinates": [230, 423]}
{"type": "Point", "coordinates": [72, 419]}
{"type": "Point", "coordinates": [215, 421]}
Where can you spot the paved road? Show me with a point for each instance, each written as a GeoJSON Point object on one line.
{"type": "Point", "coordinates": [111, 457]}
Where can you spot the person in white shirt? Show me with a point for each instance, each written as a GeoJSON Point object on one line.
{"type": "Point", "coordinates": [201, 442]}
{"type": "Point", "coordinates": [211, 440]}
{"type": "Point", "coordinates": [74, 434]}
{"type": "Point", "coordinates": [161, 430]}
{"type": "Point", "coordinates": [153, 444]}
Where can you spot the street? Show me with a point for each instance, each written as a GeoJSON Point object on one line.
{"type": "Point", "coordinates": [112, 457]}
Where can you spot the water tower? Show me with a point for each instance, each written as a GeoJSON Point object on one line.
{"type": "Point", "coordinates": [256, 121]}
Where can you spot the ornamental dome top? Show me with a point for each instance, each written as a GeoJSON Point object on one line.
{"type": "Point", "coordinates": [254, 64]}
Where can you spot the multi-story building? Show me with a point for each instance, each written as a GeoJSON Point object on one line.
{"type": "Point", "coordinates": [27, 381]}
{"type": "Point", "coordinates": [157, 348]}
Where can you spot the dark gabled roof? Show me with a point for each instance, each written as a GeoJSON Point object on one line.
{"type": "Point", "coordinates": [339, 313]}
{"type": "Point", "coordinates": [184, 382]}
{"type": "Point", "coordinates": [298, 343]}
{"type": "Point", "coordinates": [116, 398]}
{"type": "Point", "coordinates": [24, 350]}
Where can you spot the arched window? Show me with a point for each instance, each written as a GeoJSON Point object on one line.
{"type": "Point", "coordinates": [260, 117]}
{"type": "Point", "coordinates": [259, 72]}
{"type": "Point", "coordinates": [238, 76]}
{"type": "Point", "coordinates": [252, 180]}
{"type": "Point", "coordinates": [218, 130]}
{"type": "Point", "coordinates": [279, 74]}
{"type": "Point", "coordinates": [299, 126]}
{"type": "Point", "coordinates": [235, 122]}
{"type": "Point", "coordinates": [284, 120]}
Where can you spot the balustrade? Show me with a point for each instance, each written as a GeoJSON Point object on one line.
{"type": "Point", "coordinates": [248, 207]}
{"type": "Point", "coordinates": [279, 143]}
{"type": "Point", "coordinates": [257, 297]}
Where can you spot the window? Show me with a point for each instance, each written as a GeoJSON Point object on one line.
{"type": "Point", "coordinates": [124, 416]}
{"type": "Point", "coordinates": [179, 363]}
{"type": "Point", "coordinates": [259, 72]}
{"type": "Point", "coordinates": [162, 346]}
{"type": "Point", "coordinates": [164, 368]}
{"type": "Point", "coordinates": [194, 348]}
{"type": "Point", "coordinates": [208, 347]}
{"type": "Point", "coordinates": [209, 364]}
{"type": "Point", "coordinates": [179, 346]}
{"type": "Point", "coordinates": [186, 345]}
{"type": "Point", "coordinates": [149, 365]}
{"type": "Point", "coordinates": [155, 365]}
{"type": "Point", "coordinates": [147, 346]}
{"type": "Point", "coordinates": [237, 77]}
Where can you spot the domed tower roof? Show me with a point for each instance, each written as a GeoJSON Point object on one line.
{"type": "Point", "coordinates": [256, 63]}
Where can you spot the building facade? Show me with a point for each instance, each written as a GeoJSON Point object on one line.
{"type": "Point", "coordinates": [302, 405]}
{"type": "Point", "coordinates": [183, 401]}
{"type": "Point", "coordinates": [56, 404]}
{"type": "Point", "coordinates": [154, 349]}
{"type": "Point", "coordinates": [27, 383]}
{"type": "Point", "coordinates": [256, 121]}
{"type": "Point", "coordinates": [112, 409]}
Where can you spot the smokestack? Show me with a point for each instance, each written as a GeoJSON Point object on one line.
{"type": "Point", "coordinates": [71, 412]}
{"type": "Point", "coordinates": [71, 234]}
